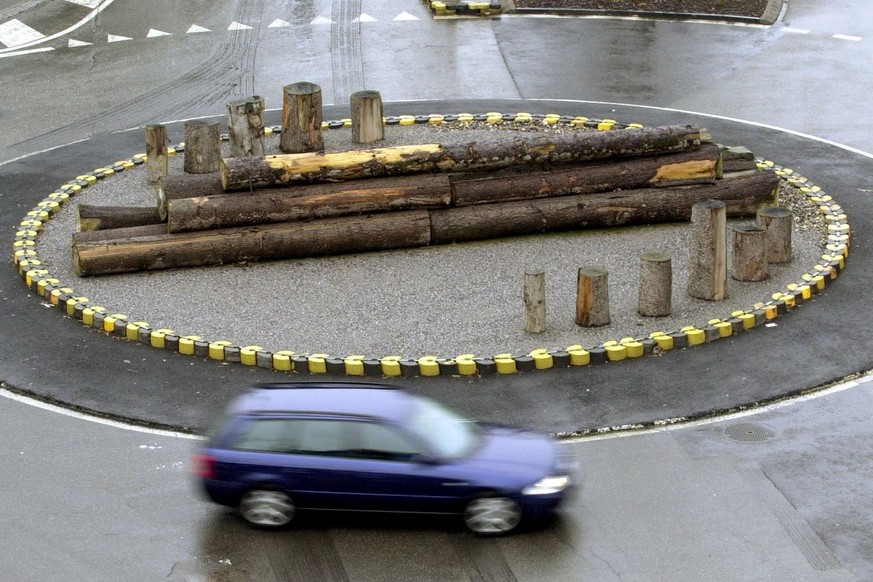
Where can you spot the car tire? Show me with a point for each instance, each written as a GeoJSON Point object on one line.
{"type": "Point", "coordinates": [492, 515]}
{"type": "Point", "coordinates": [267, 508]}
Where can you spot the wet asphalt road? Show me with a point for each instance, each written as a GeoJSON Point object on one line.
{"type": "Point", "coordinates": [688, 504]}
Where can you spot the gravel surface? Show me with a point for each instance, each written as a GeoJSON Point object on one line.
{"type": "Point", "coordinates": [442, 301]}
{"type": "Point", "coordinates": [753, 8]}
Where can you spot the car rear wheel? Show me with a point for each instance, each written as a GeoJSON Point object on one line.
{"type": "Point", "coordinates": [266, 508]}
{"type": "Point", "coordinates": [492, 515]}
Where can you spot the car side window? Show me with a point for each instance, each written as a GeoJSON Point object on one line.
{"type": "Point", "coordinates": [324, 437]}
{"type": "Point", "coordinates": [377, 441]}
{"type": "Point", "coordinates": [266, 435]}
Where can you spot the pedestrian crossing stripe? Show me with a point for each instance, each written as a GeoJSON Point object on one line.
{"type": "Point", "coordinates": [15, 33]}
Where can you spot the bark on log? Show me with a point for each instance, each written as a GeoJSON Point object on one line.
{"type": "Point", "coordinates": [157, 154]}
{"type": "Point", "coordinates": [483, 155]}
{"type": "Point", "coordinates": [778, 223]}
{"type": "Point", "coordinates": [245, 126]}
{"type": "Point", "coordinates": [301, 118]}
{"type": "Point", "coordinates": [693, 167]}
{"type": "Point", "coordinates": [592, 297]}
{"type": "Point", "coordinates": [708, 253]}
{"type": "Point", "coordinates": [90, 217]}
{"type": "Point", "coordinates": [269, 242]}
{"type": "Point", "coordinates": [368, 125]}
{"type": "Point", "coordinates": [127, 233]}
{"type": "Point", "coordinates": [202, 146]}
{"type": "Point", "coordinates": [656, 285]}
{"type": "Point", "coordinates": [315, 201]}
{"type": "Point", "coordinates": [749, 258]}
{"type": "Point", "coordinates": [742, 197]}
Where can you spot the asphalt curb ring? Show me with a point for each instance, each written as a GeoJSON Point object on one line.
{"type": "Point", "coordinates": [814, 281]}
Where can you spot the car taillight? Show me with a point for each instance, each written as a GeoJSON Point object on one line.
{"type": "Point", "coordinates": [203, 466]}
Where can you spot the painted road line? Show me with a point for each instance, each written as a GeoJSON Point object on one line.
{"type": "Point", "coordinates": [796, 30]}
{"type": "Point", "coordinates": [99, 7]}
{"type": "Point", "coordinates": [15, 33]}
{"type": "Point", "coordinates": [26, 52]}
{"type": "Point", "coordinates": [85, 3]}
{"type": "Point", "coordinates": [847, 37]}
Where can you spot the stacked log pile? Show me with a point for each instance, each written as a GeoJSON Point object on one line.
{"type": "Point", "coordinates": [314, 204]}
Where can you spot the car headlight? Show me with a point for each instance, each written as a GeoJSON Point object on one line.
{"type": "Point", "coordinates": [547, 485]}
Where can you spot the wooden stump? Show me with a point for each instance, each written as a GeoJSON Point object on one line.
{"type": "Point", "coordinates": [592, 297]}
{"type": "Point", "coordinates": [708, 253]}
{"type": "Point", "coordinates": [535, 301]}
{"type": "Point", "coordinates": [367, 123]}
{"type": "Point", "coordinates": [157, 156]}
{"type": "Point", "coordinates": [301, 119]}
{"type": "Point", "coordinates": [202, 146]}
{"type": "Point", "coordinates": [777, 222]}
{"type": "Point", "coordinates": [656, 285]}
{"type": "Point", "coordinates": [749, 260]}
{"type": "Point", "coordinates": [245, 126]}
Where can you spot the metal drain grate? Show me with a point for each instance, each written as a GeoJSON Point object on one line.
{"type": "Point", "coordinates": [747, 432]}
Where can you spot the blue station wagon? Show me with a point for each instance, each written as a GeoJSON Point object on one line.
{"type": "Point", "coordinates": [370, 447]}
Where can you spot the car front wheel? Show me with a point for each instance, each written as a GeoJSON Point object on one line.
{"type": "Point", "coordinates": [492, 515]}
{"type": "Point", "coordinates": [266, 508]}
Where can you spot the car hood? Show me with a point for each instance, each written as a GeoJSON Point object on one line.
{"type": "Point", "coordinates": [513, 452]}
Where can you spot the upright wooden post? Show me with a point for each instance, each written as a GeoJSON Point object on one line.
{"type": "Point", "coordinates": [535, 301]}
{"type": "Point", "coordinates": [749, 259]}
{"type": "Point", "coordinates": [656, 285]}
{"type": "Point", "coordinates": [202, 146]}
{"type": "Point", "coordinates": [777, 221]}
{"type": "Point", "coordinates": [301, 119]}
{"type": "Point", "coordinates": [367, 123]}
{"type": "Point", "coordinates": [592, 297]}
{"type": "Point", "coordinates": [707, 277]}
{"type": "Point", "coordinates": [245, 126]}
{"type": "Point", "coordinates": [157, 156]}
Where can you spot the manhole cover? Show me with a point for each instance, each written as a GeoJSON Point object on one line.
{"type": "Point", "coordinates": [749, 433]}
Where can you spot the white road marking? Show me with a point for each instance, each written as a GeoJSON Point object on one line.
{"type": "Point", "coordinates": [26, 52]}
{"type": "Point", "coordinates": [847, 37]}
{"type": "Point", "coordinates": [195, 28]}
{"type": "Point", "coordinates": [85, 3]}
{"type": "Point", "coordinates": [321, 20]}
{"type": "Point", "coordinates": [117, 38]}
{"type": "Point", "coordinates": [279, 23]}
{"type": "Point", "coordinates": [73, 43]}
{"type": "Point", "coordinates": [15, 33]}
{"type": "Point", "coordinates": [103, 5]}
{"type": "Point", "coordinates": [405, 16]}
{"type": "Point", "coordinates": [153, 33]}
{"type": "Point", "coordinates": [364, 18]}
{"type": "Point", "coordinates": [238, 26]}
{"type": "Point", "coordinates": [796, 30]}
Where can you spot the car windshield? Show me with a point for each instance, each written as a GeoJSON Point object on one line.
{"type": "Point", "coordinates": [448, 434]}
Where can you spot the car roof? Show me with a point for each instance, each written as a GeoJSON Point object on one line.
{"type": "Point", "coordinates": [335, 398]}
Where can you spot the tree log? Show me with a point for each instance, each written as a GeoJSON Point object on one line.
{"type": "Point", "coordinates": [157, 154]}
{"type": "Point", "coordinates": [592, 297]}
{"type": "Point", "coordinates": [245, 126]}
{"type": "Point", "coordinates": [484, 155]}
{"type": "Point", "coordinates": [367, 122]}
{"type": "Point", "coordinates": [696, 166]}
{"type": "Point", "coordinates": [743, 197]}
{"type": "Point", "coordinates": [316, 201]}
{"type": "Point", "coordinates": [301, 118]}
{"type": "Point", "coordinates": [90, 217]}
{"type": "Point", "coordinates": [534, 301]}
{"type": "Point", "coordinates": [269, 242]}
{"type": "Point", "coordinates": [708, 253]}
{"type": "Point", "coordinates": [184, 186]}
{"type": "Point", "coordinates": [655, 296]}
{"type": "Point", "coordinates": [197, 212]}
{"type": "Point", "coordinates": [778, 223]}
{"type": "Point", "coordinates": [202, 146]}
{"type": "Point", "coordinates": [749, 258]}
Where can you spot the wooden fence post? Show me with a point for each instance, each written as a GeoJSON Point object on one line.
{"type": "Point", "coordinates": [535, 301]}
{"type": "Point", "coordinates": [592, 297]}
{"type": "Point", "coordinates": [708, 253]}
{"type": "Point", "coordinates": [157, 156]}
{"type": "Point", "coordinates": [777, 221]}
{"type": "Point", "coordinates": [656, 285]}
{"type": "Point", "coordinates": [367, 123]}
{"type": "Point", "coordinates": [301, 119]}
{"type": "Point", "coordinates": [245, 126]}
{"type": "Point", "coordinates": [749, 260]}
{"type": "Point", "coordinates": [202, 146]}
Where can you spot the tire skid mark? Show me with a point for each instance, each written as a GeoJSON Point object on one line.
{"type": "Point", "coordinates": [345, 49]}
